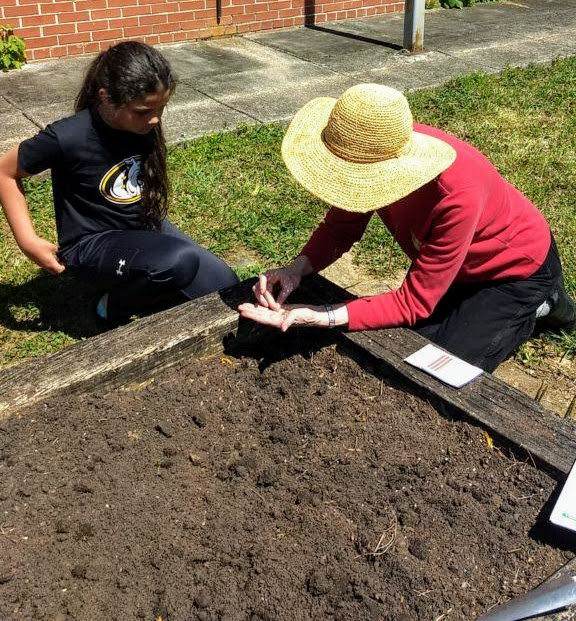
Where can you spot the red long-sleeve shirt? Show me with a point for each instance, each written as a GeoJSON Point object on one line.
{"type": "Point", "coordinates": [466, 225]}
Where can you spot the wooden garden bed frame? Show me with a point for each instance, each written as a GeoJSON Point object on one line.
{"type": "Point", "coordinates": [134, 353]}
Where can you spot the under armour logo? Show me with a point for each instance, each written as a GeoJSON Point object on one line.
{"type": "Point", "coordinates": [121, 264]}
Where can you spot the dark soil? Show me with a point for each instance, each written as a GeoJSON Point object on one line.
{"type": "Point", "coordinates": [247, 488]}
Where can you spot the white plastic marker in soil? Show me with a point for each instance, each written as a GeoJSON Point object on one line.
{"type": "Point", "coordinates": [564, 512]}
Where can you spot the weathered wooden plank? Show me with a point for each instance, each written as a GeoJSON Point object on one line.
{"type": "Point", "coordinates": [494, 404]}
{"type": "Point", "coordinates": [130, 353]}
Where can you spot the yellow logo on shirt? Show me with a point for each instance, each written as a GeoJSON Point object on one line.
{"type": "Point", "coordinates": [122, 184]}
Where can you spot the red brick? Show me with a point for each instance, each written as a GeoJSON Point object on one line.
{"type": "Point", "coordinates": [34, 42]}
{"type": "Point", "coordinates": [58, 29]}
{"type": "Point", "coordinates": [10, 12]}
{"type": "Point", "coordinates": [233, 10]}
{"type": "Point", "coordinates": [290, 13]}
{"type": "Point", "coordinates": [123, 22]}
{"type": "Point", "coordinates": [192, 5]}
{"type": "Point", "coordinates": [76, 37]}
{"type": "Point", "coordinates": [122, 3]}
{"type": "Point", "coordinates": [56, 7]}
{"type": "Point", "coordinates": [164, 7]}
{"type": "Point", "coordinates": [197, 24]}
{"type": "Point", "coordinates": [137, 31]}
{"type": "Point", "coordinates": [25, 33]}
{"type": "Point", "coordinates": [104, 35]}
{"type": "Point", "coordinates": [179, 17]}
{"type": "Point", "coordinates": [163, 28]}
{"type": "Point", "coordinates": [66, 18]}
{"type": "Point", "coordinates": [105, 13]}
{"type": "Point", "coordinates": [153, 40]}
{"type": "Point", "coordinates": [90, 5]}
{"type": "Point", "coordinates": [92, 26]}
{"type": "Point", "coordinates": [135, 11]}
{"type": "Point", "coordinates": [166, 38]}
{"type": "Point", "coordinates": [38, 20]}
{"type": "Point", "coordinates": [148, 20]}
{"type": "Point", "coordinates": [20, 2]}
{"type": "Point", "coordinates": [6, 3]}
{"type": "Point", "coordinates": [205, 14]}
{"type": "Point", "coordinates": [38, 54]}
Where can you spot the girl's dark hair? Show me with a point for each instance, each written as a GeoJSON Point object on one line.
{"type": "Point", "coordinates": [129, 71]}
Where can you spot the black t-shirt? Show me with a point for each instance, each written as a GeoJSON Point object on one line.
{"type": "Point", "coordinates": [95, 169]}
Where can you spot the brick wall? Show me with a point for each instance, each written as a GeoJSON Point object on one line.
{"type": "Point", "coordinates": [55, 28]}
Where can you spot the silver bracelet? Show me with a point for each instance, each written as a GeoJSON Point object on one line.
{"type": "Point", "coordinates": [331, 315]}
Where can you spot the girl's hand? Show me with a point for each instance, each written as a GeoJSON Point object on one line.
{"type": "Point", "coordinates": [294, 315]}
{"type": "Point", "coordinates": [287, 278]}
{"type": "Point", "coordinates": [43, 253]}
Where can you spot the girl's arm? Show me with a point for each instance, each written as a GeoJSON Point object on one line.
{"type": "Point", "coordinates": [39, 250]}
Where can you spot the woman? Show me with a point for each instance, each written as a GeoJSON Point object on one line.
{"type": "Point", "coordinates": [110, 190]}
{"type": "Point", "coordinates": [484, 266]}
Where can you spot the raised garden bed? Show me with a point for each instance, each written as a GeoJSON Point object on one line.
{"type": "Point", "coordinates": [280, 482]}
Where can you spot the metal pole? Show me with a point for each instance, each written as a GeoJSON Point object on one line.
{"type": "Point", "coordinates": [414, 25]}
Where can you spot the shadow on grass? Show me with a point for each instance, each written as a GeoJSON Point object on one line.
{"type": "Point", "coordinates": [50, 303]}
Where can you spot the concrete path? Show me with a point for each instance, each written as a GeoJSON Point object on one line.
{"type": "Point", "coordinates": [266, 77]}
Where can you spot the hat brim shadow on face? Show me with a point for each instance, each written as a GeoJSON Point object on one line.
{"type": "Point", "coordinates": [353, 186]}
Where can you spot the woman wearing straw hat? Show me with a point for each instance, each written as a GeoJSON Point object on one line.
{"type": "Point", "coordinates": [484, 267]}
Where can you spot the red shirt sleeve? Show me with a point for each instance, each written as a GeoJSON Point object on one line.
{"type": "Point", "coordinates": [434, 268]}
{"type": "Point", "coordinates": [335, 236]}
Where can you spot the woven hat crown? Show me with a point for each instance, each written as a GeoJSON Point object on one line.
{"type": "Point", "coordinates": [369, 123]}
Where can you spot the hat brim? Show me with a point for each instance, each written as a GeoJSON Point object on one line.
{"type": "Point", "coordinates": [356, 186]}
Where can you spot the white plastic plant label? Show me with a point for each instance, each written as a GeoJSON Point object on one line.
{"type": "Point", "coordinates": [444, 366]}
{"type": "Point", "coordinates": [564, 511]}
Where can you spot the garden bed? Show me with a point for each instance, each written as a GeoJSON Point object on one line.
{"type": "Point", "coordinates": [292, 485]}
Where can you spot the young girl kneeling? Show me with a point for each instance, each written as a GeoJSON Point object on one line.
{"type": "Point", "coordinates": [110, 190]}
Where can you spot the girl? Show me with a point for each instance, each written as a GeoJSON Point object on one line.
{"type": "Point", "coordinates": [110, 191]}
{"type": "Point", "coordinates": [485, 270]}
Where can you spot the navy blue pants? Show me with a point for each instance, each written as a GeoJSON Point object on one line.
{"type": "Point", "coordinates": [484, 323]}
{"type": "Point", "coordinates": [144, 271]}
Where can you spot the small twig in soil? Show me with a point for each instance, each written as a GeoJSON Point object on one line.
{"type": "Point", "coordinates": [444, 615]}
{"type": "Point", "coordinates": [383, 547]}
{"type": "Point", "coordinates": [4, 530]}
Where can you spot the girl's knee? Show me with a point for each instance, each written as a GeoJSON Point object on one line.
{"type": "Point", "coordinates": [176, 269]}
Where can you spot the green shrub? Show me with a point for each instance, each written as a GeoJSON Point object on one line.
{"type": "Point", "coordinates": [12, 49]}
{"type": "Point", "coordinates": [460, 4]}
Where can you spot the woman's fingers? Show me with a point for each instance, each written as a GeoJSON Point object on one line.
{"type": "Point", "coordinates": [261, 314]}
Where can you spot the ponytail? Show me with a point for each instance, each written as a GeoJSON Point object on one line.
{"type": "Point", "coordinates": [129, 71]}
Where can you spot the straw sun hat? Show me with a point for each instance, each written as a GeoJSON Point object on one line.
{"type": "Point", "coordinates": [359, 152]}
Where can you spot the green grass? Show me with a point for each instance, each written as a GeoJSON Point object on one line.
{"type": "Point", "coordinates": [231, 192]}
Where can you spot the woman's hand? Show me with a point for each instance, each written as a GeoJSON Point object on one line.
{"type": "Point", "coordinates": [43, 253]}
{"type": "Point", "coordinates": [287, 279]}
{"type": "Point", "coordinates": [295, 315]}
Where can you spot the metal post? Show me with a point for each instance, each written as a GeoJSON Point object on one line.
{"type": "Point", "coordinates": [414, 25]}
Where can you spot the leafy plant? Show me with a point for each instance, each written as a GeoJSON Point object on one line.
{"type": "Point", "coordinates": [460, 4]}
{"type": "Point", "coordinates": [12, 49]}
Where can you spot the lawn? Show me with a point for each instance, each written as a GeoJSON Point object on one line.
{"type": "Point", "coordinates": [231, 192]}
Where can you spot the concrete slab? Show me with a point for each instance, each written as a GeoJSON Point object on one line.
{"type": "Point", "coordinates": [265, 77]}
{"type": "Point", "coordinates": [421, 71]}
{"type": "Point", "coordinates": [13, 126]}
{"type": "Point", "coordinates": [273, 105]}
{"type": "Point", "coordinates": [189, 121]}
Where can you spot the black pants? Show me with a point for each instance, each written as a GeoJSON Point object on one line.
{"type": "Point", "coordinates": [148, 270]}
{"type": "Point", "coordinates": [484, 323]}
